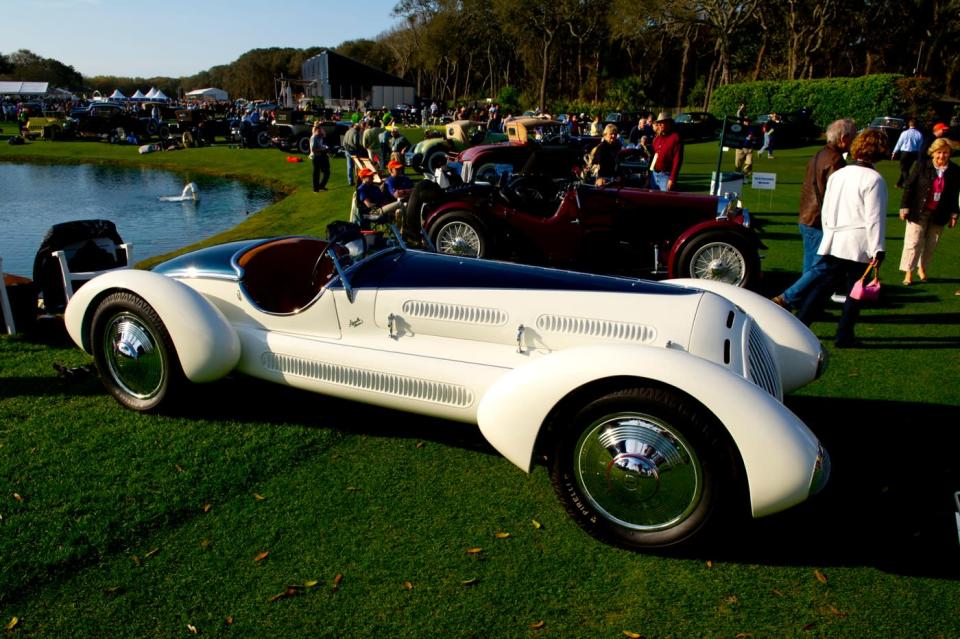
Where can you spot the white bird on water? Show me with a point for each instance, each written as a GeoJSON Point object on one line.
{"type": "Point", "coordinates": [190, 192]}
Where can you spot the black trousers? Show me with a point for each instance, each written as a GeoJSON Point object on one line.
{"type": "Point", "coordinates": [907, 158]}
{"type": "Point", "coordinates": [321, 164]}
{"type": "Point", "coordinates": [836, 272]}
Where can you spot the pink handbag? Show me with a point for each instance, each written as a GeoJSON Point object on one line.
{"type": "Point", "coordinates": [867, 291]}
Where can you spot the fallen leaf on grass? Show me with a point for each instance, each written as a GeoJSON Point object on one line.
{"type": "Point", "coordinates": [12, 624]}
{"type": "Point", "coordinates": [311, 583]}
{"type": "Point", "coordinates": [470, 582]}
{"type": "Point", "coordinates": [537, 625]}
{"type": "Point", "coordinates": [501, 535]}
{"type": "Point", "coordinates": [777, 592]}
{"type": "Point", "coordinates": [709, 563]}
{"type": "Point", "coordinates": [112, 590]}
{"type": "Point", "coordinates": [474, 551]}
{"type": "Point", "coordinates": [743, 635]}
{"type": "Point", "coordinates": [207, 507]}
{"type": "Point", "coordinates": [229, 621]}
{"type": "Point", "coordinates": [408, 585]}
{"type": "Point", "coordinates": [810, 626]}
{"type": "Point", "coordinates": [205, 543]}
{"type": "Point", "coordinates": [336, 581]}
{"type": "Point", "coordinates": [151, 553]}
{"type": "Point", "coordinates": [353, 489]}
{"type": "Point", "coordinates": [178, 467]}
{"type": "Point", "coordinates": [632, 634]}
{"type": "Point", "coordinates": [289, 592]}
{"type": "Point", "coordinates": [420, 444]}
{"type": "Point", "coordinates": [193, 629]}
{"type": "Point", "coordinates": [822, 578]}
{"type": "Point", "coordinates": [135, 560]}
{"type": "Point", "coordinates": [731, 599]}
{"type": "Point", "coordinates": [258, 497]}
{"type": "Point", "coordinates": [17, 497]}
{"type": "Point", "coordinates": [536, 524]}
{"type": "Point", "coordinates": [836, 612]}
{"type": "Point", "coordinates": [261, 556]}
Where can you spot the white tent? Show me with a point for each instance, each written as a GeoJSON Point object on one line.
{"type": "Point", "coordinates": [209, 94]}
{"type": "Point", "coordinates": [138, 96]}
{"type": "Point", "coordinates": [152, 93]}
{"type": "Point", "coordinates": [116, 95]}
{"type": "Point", "coordinates": [159, 96]}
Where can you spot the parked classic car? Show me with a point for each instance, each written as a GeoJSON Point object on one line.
{"type": "Point", "coordinates": [657, 406]}
{"type": "Point", "coordinates": [431, 153]}
{"type": "Point", "coordinates": [794, 129]}
{"type": "Point", "coordinates": [291, 131]}
{"type": "Point", "coordinates": [697, 126]}
{"type": "Point", "coordinates": [205, 126]}
{"type": "Point", "coordinates": [610, 229]}
{"type": "Point", "coordinates": [525, 136]}
{"type": "Point", "coordinates": [113, 122]}
{"type": "Point", "coordinates": [893, 127]}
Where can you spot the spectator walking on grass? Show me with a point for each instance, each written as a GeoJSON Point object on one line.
{"type": "Point", "coordinates": [929, 202]}
{"type": "Point", "coordinates": [319, 158]}
{"type": "Point", "coordinates": [820, 167]}
{"type": "Point", "coordinates": [907, 149]}
{"type": "Point", "coordinates": [854, 224]}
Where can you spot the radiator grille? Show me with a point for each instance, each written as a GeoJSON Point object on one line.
{"type": "Point", "coordinates": [604, 329]}
{"type": "Point", "coordinates": [455, 313]}
{"type": "Point", "coordinates": [373, 381]}
{"type": "Point", "coordinates": [761, 365]}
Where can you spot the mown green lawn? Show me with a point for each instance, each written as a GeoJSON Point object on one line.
{"type": "Point", "coordinates": [125, 525]}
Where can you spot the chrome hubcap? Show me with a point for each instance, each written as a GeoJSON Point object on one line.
{"type": "Point", "coordinates": [637, 472]}
{"type": "Point", "coordinates": [135, 362]}
{"type": "Point", "coordinates": [719, 261]}
{"type": "Point", "coordinates": [459, 238]}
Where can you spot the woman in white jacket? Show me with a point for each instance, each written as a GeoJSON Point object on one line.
{"type": "Point", "coordinates": [854, 222]}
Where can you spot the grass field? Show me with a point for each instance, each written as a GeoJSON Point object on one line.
{"type": "Point", "coordinates": [265, 512]}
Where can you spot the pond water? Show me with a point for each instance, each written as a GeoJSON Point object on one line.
{"type": "Point", "coordinates": [34, 197]}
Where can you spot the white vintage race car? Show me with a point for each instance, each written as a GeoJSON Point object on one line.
{"type": "Point", "coordinates": [657, 406]}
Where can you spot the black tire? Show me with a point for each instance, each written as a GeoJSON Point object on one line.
{"type": "Point", "coordinates": [435, 160]}
{"type": "Point", "coordinates": [486, 173]}
{"type": "Point", "coordinates": [460, 233]}
{"type": "Point", "coordinates": [646, 468]}
{"type": "Point", "coordinates": [134, 354]}
{"type": "Point", "coordinates": [152, 127]}
{"type": "Point", "coordinates": [718, 255]}
{"type": "Point", "coordinates": [163, 132]}
{"type": "Point", "coordinates": [263, 140]}
{"type": "Point", "coordinates": [303, 145]}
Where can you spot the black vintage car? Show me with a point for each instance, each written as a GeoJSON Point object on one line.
{"type": "Point", "coordinates": [697, 126]}
{"type": "Point", "coordinates": [205, 126]}
{"type": "Point", "coordinates": [291, 130]}
{"type": "Point", "coordinates": [892, 127]}
{"type": "Point", "coordinates": [113, 123]}
{"type": "Point", "coordinates": [793, 129]}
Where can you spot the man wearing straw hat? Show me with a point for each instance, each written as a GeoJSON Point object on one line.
{"type": "Point", "coordinates": [668, 154]}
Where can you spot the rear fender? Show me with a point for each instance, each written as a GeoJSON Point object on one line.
{"type": "Point", "coordinates": [207, 345]}
{"type": "Point", "coordinates": [447, 207]}
{"type": "Point", "coordinates": [778, 451]}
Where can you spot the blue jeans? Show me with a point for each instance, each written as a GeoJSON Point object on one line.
{"type": "Point", "coordinates": [658, 180]}
{"type": "Point", "coordinates": [812, 265]}
{"type": "Point", "coordinates": [349, 168]}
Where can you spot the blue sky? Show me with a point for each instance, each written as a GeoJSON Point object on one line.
{"type": "Point", "coordinates": [179, 37]}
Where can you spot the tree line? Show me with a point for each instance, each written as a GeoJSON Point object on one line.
{"type": "Point", "coordinates": [581, 52]}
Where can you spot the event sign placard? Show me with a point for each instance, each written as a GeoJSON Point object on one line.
{"type": "Point", "coordinates": [764, 181]}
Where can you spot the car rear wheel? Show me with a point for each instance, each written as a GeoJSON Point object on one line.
{"type": "Point", "coordinates": [645, 468]}
{"type": "Point", "coordinates": [263, 140]}
{"type": "Point", "coordinates": [460, 233]}
{"type": "Point", "coordinates": [435, 160]}
{"type": "Point", "coordinates": [303, 145]}
{"type": "Point", "coordinates": [719, 256]}
{"type": "Point", "coordinates": [163, 132]}
{"type": "Point", "coordinates": [134, 353]}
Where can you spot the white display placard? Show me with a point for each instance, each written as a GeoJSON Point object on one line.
{"type": "Point", "coordinates": [764, 181]}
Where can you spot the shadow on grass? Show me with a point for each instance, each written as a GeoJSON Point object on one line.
{"type": "Point", "coordinates": [889, 503]}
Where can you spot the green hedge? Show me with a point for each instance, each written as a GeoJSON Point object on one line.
{"type": "Point", "coordinates": [828, 99]}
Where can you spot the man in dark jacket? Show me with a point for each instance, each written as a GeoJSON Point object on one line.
{"type": "Point", "coordinates": [827, 160]}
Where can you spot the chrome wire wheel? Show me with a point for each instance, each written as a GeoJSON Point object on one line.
{"type": "Point", "coordinates": [719, 261]}
{"type": "Point", "coordinates": [638, 472]}
{"type": "Point", "coordinates": [133, 360]}
{"type": "Point", "coordinates": [459, 238]}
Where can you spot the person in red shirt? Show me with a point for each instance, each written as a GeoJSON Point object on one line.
{"type": "Point", "coordinates": [668, 154]}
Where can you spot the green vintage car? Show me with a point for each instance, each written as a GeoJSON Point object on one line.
{"type": "Point", "coordinates": [431, 153]}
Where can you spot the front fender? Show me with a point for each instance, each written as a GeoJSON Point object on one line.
{"type": "Point", "coordinates": [207, 345]}
{"type": "Point", "coordinates": [447, 207]}
{"type": "Point", "coordinates": [779, 452]}
{"type": "Point", "coordinates": [800, 355]}
{"type": "Point", "coordinates": [749, 237]}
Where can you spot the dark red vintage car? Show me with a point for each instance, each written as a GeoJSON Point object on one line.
{"type": "Point", "coordinates": [611, 229]}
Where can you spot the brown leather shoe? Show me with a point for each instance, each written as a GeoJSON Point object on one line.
{"type": "Point", "coordinates": [779, 301]}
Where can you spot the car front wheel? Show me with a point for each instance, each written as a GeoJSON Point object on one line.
{"type": "Point", "coordinates": [303, 145]}
{"type": "Point", "coordinates": [719, 256]}
{"type": "Point", "coordinates": [134, 353]}
{"type": "Point", "coordinates": [460, 233]}
{"type": "Point", "coordinates": [645, 468]}
{"type": "Point", "coordinates": [263, 140]}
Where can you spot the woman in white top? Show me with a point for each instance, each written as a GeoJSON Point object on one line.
{"type": "Point", "coordinates": [854, 223]}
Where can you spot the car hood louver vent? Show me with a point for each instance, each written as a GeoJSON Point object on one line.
{"type": "Point", "coordinates": [761, 364]}
{"type": "Point", "coordinates": [455, 313]}
{"type": "Point", "coordinates": [604, 329]}
{"type": "Point", "coordinates": [372, 381]}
